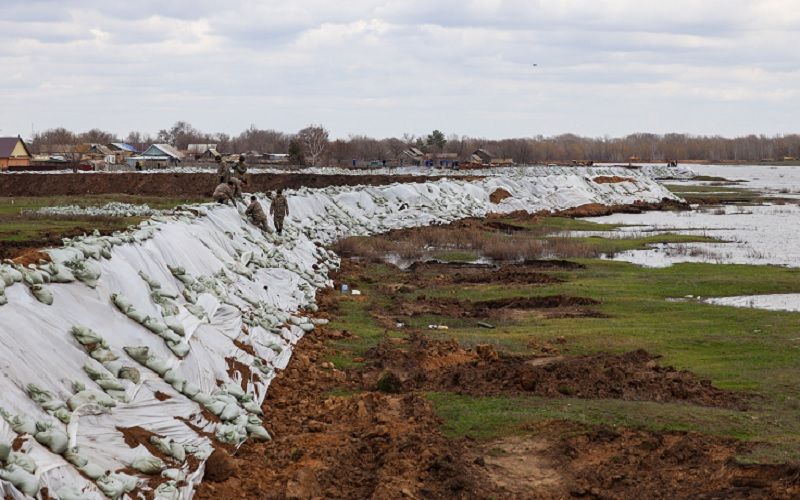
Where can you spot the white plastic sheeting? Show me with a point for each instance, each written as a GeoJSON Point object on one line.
{"type": "Point", "coordinates": [229, 282]}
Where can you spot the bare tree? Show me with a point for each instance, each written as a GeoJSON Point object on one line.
{"type": "Point", "coordinates": [314, 140]}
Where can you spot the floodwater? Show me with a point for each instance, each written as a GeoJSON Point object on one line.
{"type": "Point", "coordinates": [764, 234]}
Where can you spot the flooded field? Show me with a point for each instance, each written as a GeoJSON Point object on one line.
{"type": "Point", "coordinates": [762, 231]}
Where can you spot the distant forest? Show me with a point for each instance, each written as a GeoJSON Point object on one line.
{"type": "Point", "coordinates": [565, 147]}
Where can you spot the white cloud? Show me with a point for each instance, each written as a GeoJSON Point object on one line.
{"type": "Point", "coordinates": [386, 67]}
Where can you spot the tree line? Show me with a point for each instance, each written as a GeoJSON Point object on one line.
{"type": "Point", "coordinates": [312, 145]}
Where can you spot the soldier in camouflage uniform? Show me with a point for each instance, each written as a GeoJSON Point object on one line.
{"type": "Point", "coordinates": [223, 170]}
{"type": "Point", "coordinates": [279, 210]}
{"type": "Point", "coordinates": [256, 214]}
{"type": "Point", "coordinates": [223, 193]}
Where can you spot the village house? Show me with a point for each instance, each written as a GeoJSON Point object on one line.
{"type": "Point", "coordinates": [157, 156]}
{"type": "Point", "coordinates": [414, 156]}
{"type": "Point", "coordinates": [13, 153]}
{"type": "Point", "coordinates": [202, 151]}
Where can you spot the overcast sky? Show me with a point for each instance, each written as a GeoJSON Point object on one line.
{"type": "Point", "coordinates": [382, 68]}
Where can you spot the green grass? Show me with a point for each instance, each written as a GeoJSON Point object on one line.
{"type": "Point", "coordinates": [18, 226]}
{"type": "Point", "coordinates": [455, 256]}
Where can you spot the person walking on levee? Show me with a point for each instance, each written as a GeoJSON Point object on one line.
{"type": "Point", "coordinates": [279, 210]}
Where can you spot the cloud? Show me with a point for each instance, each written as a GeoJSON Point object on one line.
{"type": "Point", "coordinates": [387, 67]}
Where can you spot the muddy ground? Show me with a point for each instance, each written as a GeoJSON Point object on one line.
{"type": "Point", "coordinates": [369, 432]}
{"type": "Point", "coordinates": [176, 184]}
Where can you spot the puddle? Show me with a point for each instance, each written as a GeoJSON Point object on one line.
{"type": "Point", "coordinates": [774, 302]}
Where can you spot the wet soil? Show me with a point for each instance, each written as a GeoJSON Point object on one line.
{"type": "Point", "coordinates": [554, 305]}
{"type": "Point", "coordinates": [499, 195]}
{"type": "Point", "coordinates": [364, 445]}
{"type": "Point", "coordinates": [422, 363]}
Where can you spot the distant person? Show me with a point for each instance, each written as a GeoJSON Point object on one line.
{"type": "Point", "coordinates": [279, 210]}
{"type": "Point", "coordinates": [223, 170]}
{"type": "Point", "coordinates": [138, 166]}
{"type": "Point", "coordinates": [224, 192]}
{"type": "Point", "coordinates": [256, 214]}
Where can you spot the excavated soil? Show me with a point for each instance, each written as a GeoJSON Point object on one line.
{"type": "Point", "coordinates": [422, 363]}
{"type": "Point", "coordinates": [366, 445]}
{"type": "Point", "coordinates": [613, 179]}
{"type": "Point", "coordinates": [499, 195]}
{"type": "Point", "coordinates": [550, 305]}
{"type": "Point", "coordinates": [178, 184]}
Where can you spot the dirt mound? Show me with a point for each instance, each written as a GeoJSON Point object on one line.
{"type": "Point", "coordinates": [613, 179]}
{"type": "Point", "coordinates": [499, 308]}
{"type": "Point", "coordinates": [422, 363]}
{"type": "Point", "coordinates": [177, 184]}
{"type": "Point", "coordinates": [499, 195]}
{"type": "Point", "coordinates": [219, 467]}
{"type": "Point", "coordinates": [621, 463]}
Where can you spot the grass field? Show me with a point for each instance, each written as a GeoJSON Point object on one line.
{"type": "Point", "coordinates": [754, 351]}
{"type": "Point", "coordinates": [19, 227]}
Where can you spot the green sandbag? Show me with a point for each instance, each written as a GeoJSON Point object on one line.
{"type": "Point", "coordinates": [53, 438]}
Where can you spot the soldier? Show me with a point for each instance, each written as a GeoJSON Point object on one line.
{"type": "Point", "coordinates": [223, 193]}
{"type": "Point", "coordinates": [236, 183]}
{"type": "Point", "coordinates": [279, 210]}
{"type": "Point", "coordinates": [240, 168]}
{"type": "Point", "coordinates": [223, 170]}
{"type": "Point", "coordinates": [256, 214]}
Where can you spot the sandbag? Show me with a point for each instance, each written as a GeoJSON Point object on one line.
{"type": "Point", "coordinates": [258, 432]}
{"type": "Point", "coordinates": [92, 471]}
{"type": "Point", "coordinates": [5, 451]}
{"type": "Point", "coordinates": [136, 315]}
{"type": "Point", "coordinates": [121, 302]}
{"type": "Point", "coordinates": [190, 389]}
{"type": "Point", "coordinates": [230, 412]}
{"type": "Point", "coordinates": [155, 325]}
{"type": "Point", "coordinates": [130, 373]}
{"type": "Point", "coordinates": [59, 273]}
{"type": "Point", "coordinates": [180, 349]}
{"type": "Point", "coordinates": [148, 465]}
{"type": "Point", "coordinates": [111, 487]}
{"type": "Point", "coordinates": [110, 384]}
{"type": "Point", "coordinates": [37, 394]}
{"type": "Point", "coordinates": [42, 294]}
{"type": "Point", "coordinates": [22, 480]}
{"type": "Point", "coordinates": [252, 407]}
{"type": "Point", "coordinates": [91, 398]}
{"type": "Point", "coordinates": [22, 424]}
{"type": "Point", "coordinates": [103, 355]}
{"type": "Point", "coordinates": [216, 407]}
{"type": "Point", "coordinates": [234, 390]}
{"type": "Point", "coordinates": [167, 491]}
{"type": "Point", "coordinates": [53, 438]}
{"type": "Point", "coordinates": [129, 482]}
{"type": "Point", "coordinates": [153, 284]}
{"type": "Point", "coordinates": [86, 336]}
{"type": "Point", "coordinates": [175, 324]}
{"type": "Point", "coordinates": [74, 457]}
{"type": "Point", "coordinates": [174, 474]}
{"type": "Point", "coordinates": [157, 364]}
{"type": "Point", "coordinates": [22, 460]}
{"type": "Point", "coordinates": [113, 367]}
{"type": "Point", "coordinates": [140, 354]}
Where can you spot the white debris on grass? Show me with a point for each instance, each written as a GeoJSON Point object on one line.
{"type": "Point", "coordinates": [166, 307]}
{"type": "Point", "coordinates": [112, 209]}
